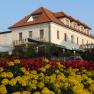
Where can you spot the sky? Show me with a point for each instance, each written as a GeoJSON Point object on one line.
{"type": "Point", "coordinates": [12, 11]}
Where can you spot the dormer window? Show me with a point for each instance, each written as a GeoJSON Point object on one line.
{"type": "Point", "coordinates": [67, 22]}
{"type": "Point", "coordinates": [87, 31]}
{"type": "Point", "coordinates": [30, 19]}
{"type": "Point", "coordinates": [75, 25]}
{"type": "Point", "coordinates": [33, 17]}
{"type": "Point", "coordinates": [82, 28]}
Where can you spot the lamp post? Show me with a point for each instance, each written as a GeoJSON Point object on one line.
{"type": "Point", "coordinates": [63, 54]}
{"type": "Point", "coordinates": [37, 50]}
{"type": "Point", "coordinates": [73, 50]}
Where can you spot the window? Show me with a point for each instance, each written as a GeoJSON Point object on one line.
{"type": "Point", "coordinates": [30, 34]}
{"type": "Point", "coordinates": [67, 22]}
{"type": "Point", "coordinates": [77, 40]}
{"type": "Point", "coordinates": [72, 38]}
{"type": "Point", "coordinates": [65, 37]}
{"type": "Point", "coordinates": [57, 34]}
{"type": "Point", "coordinates": [75, 25]}
{"type": "Point", "coordinates": [36, 16]}
{"type": "Point", "coordinates": [87, 42]}
{"type": "Point", "coordinates": [82, 41]}
{"type": "Point", "coordinates": [20, 36]}
{"type": "Point", "coordinates": [82, 28]}
{"type": "Point", "coordinates": [41, 34]}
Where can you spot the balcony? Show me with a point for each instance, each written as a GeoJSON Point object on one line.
{"type": "Point", "coordinates": [20, 42]}
{"type": "Point", "coordinates": [25, 41]}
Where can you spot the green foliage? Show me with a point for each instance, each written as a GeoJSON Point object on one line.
{"type": "Point", "coordinates": [24, 52]}
{"type": "Point", "coordinates": [3, 54]}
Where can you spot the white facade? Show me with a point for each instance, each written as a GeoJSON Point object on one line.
{"type": "Point", "coordinates": [50, 35]}
{"type": "Point", "coordinates": [6, 42]}
{"type": "Point", "coordinates": [35, 32]}
{"type": "Point", "coordinates": [43, 25]}
{"type": "Point", "coordinates": [69, 32]}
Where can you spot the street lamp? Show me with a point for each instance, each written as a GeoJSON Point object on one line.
{"type": "Point", "coordinates": [73, 50]}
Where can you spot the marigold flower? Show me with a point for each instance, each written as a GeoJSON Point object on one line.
{"type": "Point", "coordinates": [3, 89]}
{"type": "Point", "coordinates": [26, 92]}
{"type": "Point", "coordinates": [1, 69]}
{"type": "Point", "coordinates": [10, 63]}
{"type": "Point", "coordinates": [5, 81]}
{"type": "Point", "coordinates": [17, 93]}
{"type": "Point", "coordinates": [12, 82]}
{"type": "Point", "coordinates": [9, 74]}
{"type": "Point", "coordinates": [40, 85]}
{"type": "Point", "coordinates": [37, 92]}
{"type": "Point", "coordinates": [17, 61]}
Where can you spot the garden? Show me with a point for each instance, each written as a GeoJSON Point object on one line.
{"type": "Point", "coordinates": [45, 76]}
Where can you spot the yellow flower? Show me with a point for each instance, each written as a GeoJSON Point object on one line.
{"type": "Point", "coordinates": [17, 93]}
{"type": "Point", "coordinates": [77, 90]}
{"type": "Point", "coordinates": [9, 74]}
{"type": "Point", "coordinates": [47, 66]}
{"type": "Point", "coordinates": [26, 92]}
{"type": "Point", "coordinates": [12, 82]}
{"type": "Point", "coordinates": [91, 88]}
{"type": "Point", "coordinates": [16, 61]}
{"type": "Point", "coordinates": [18, 78]}
{"type": "Point", "coordinates": [47, 91]}
{"type": "Point", "coordinates": [37, 92]}
{"type": "Point", "coordinates": [26, 77]}
{"type": "Point", "coordinates": [33, 72]}
{"type": "Point", "coordinates": [42, 69]}
{"type": "Point", "coordinates": [10, 63]}
{"type": "Point", "coordinates": [3, 75]}
{"type": "Point", "coordinates": [1, 69]}
{"type": "Point", "coordinates": [23, 69]}
{"type": "Point", "coordinates": [40, 85]}
{"type": "Point", "coordinates": [46, 60]}
{"type": "Point", "coordinates": [5, 81]}
{"type": "Point", "coordinates": [3, 89]}
{"type": "Point", "coordinates": [26, 73]}
{"type": "Point", "coordinates": [60, 77]}
{"type": "Point", "coordinates": [53, 78]}
{"type": "Point", "coordinates": [23, 82]}
{"type": "Point", "coordinates": [57, 71]}
{"type": "Point", "coordinates": [90, 81]}
{"type": "Point", "coordinates": [33, 86]}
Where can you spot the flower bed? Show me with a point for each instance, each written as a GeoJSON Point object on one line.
{"type": "Point", "coordinates": [42, 76]}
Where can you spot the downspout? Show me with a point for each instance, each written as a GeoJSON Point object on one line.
{"type": "Point", "coordinates": [49, 32]}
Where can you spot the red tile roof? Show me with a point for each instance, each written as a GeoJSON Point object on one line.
{"type": "Point", "coordinates": [46, 16]}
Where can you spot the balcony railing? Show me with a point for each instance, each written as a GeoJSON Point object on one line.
{"type": "Point", "coordinates": [20, 42]}
{"type": "Point", "coordinates": [87, 46]}
{"type": "Point", "coordinates": [25, 41]}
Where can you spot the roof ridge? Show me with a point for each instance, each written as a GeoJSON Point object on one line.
{"type": "Point", "coordinates": [45, 12]}
{"type": "Point", "coordinates": [52, 14]}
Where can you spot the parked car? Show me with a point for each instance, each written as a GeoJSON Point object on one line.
{"type": "Point", "coordinates": [74, 58]}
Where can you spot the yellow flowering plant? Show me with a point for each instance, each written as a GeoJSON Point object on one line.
{"type": "Point", "coordinates": [48, 78]}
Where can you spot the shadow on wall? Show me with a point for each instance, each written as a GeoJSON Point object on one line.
{"type": "Point", "coordinates": [69, 44]}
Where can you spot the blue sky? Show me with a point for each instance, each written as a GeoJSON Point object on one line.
{"type": "Point", "coordinates": [12, 11]}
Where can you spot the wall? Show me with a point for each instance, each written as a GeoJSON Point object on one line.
{"type": "Point", "coordinates": [35, 31]}
{"type": "Point", "coordinates": [5, 42]}
{"type": "Point", "coordinates": [68, 44]}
